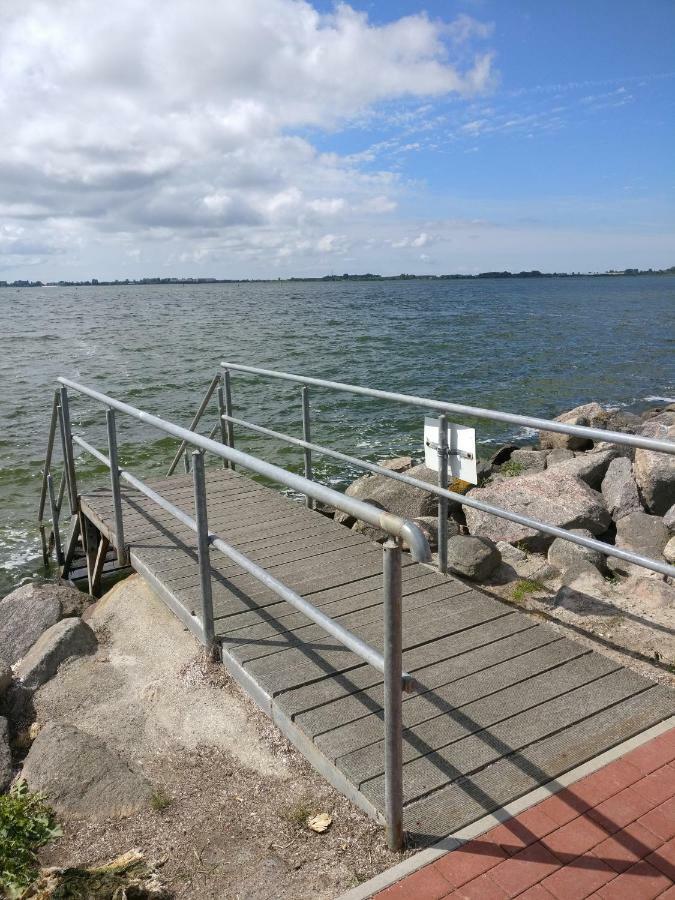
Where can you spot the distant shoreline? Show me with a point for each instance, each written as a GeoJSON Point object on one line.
{"type": "Point", "coordinates": [141, 282]}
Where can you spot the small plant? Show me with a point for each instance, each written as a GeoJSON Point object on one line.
{"type": "Point", "coordinates": [524, 587]}
{"type": "Point", "coordinates": [298, 813]}
{"type": "Point", "coordinates": [26, 823]}
{"type": "Point", "coordinates": [612, 578]}
{"type": "Point", "coordinates": [160, 800]}
{"type": "Point", "coordinates": [512, 468]}
{"type": "Point", "coordinates": [520, 545]}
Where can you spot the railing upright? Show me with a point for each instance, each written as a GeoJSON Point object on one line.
{"type": "Point", "coordinates": [68, 455]}
{"type": "Point", "coordinates": [393, 694]}
{"type": "Point", "coordinates": [307, 436]}
{"type": "Point", "coordinates": [443, 501]}
{"type": "Point", "coordinates": [203, 543]}
{"type": "Point", "coordinates": [228, 412]}
{"type": "Point", "coordinates": [122, 556]}
{"type": "Point", "coordinates": [221, 420]}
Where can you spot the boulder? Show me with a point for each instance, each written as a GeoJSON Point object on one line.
{"type": "Point", "coordinates": [669, 520]}
{"type": "Point", "coordinates": [398, 464]}
{"type": "Point", "coordinates": [640, 533]}
{"type": "Point", "coordinates": [502, 455]}
{"type": "Point", "coordinates": [82, 777]}
{"type": "Point", "coordinates": [528, 460]}
{"type": "Point", "coordinates": [24, 615]}
{"type": "Point", "coordinates": [5, 676]}
{"type": "Point", "coordinates": [655, 472]}
{"type": "Point", "coordinates": [619, 489]}
{"type": "Point", "coordinates": [5, 756]}
{"type": "Point", "coordinates": [649, 593]}
{"type": "Point", "coordinates": [429, 525]}
{"type": "Point", "coordinates": [581, 415]}
{"type": "Point", "coordinates": [618, 420]}
{"type": "Point", "coordinates": [590, 467]}
{"type": "Point", "coordinates": [67, 638]}
{"type": "Point", "coordinates": [555, 457]}
{"type": "Point", "coordinates": [581, 575]}
{"type": "Point", "coordinates": [397, 497]}
{"type": "Point", "coordinates": [564, 501]}
{"type": "Point", "coordinates": [564, 555]}
{"type": "Point", "coordinates": [472, 557]}
{"type": "Point", "coordinates": [669, 551]}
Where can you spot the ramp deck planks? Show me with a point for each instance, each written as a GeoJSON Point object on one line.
{"type": "Point", "coordinates": [503, 704]}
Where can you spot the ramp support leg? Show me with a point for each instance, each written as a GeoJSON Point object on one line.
{"type": "Point", "coordinates": [201, 517]}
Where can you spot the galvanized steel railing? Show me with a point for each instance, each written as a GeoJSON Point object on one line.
{"type": "Point", "coordinates": [400, 531]}
{"type": "Point", "coordinates": [441, 489]}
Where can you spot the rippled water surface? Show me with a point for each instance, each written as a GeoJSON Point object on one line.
{"type": "Point", "coordinates": [534, 347]}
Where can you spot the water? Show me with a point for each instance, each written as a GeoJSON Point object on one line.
{"type": "Point", "coordinates": [534, 347]}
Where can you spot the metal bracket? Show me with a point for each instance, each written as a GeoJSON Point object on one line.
{"type": "Point", "coordinates": [447, 451]}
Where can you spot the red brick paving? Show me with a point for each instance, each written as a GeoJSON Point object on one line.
{"type": "Point", "coordinates": [610, 836]}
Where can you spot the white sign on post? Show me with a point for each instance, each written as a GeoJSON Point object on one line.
{"type": "Point", "coordinates": [461, 450]}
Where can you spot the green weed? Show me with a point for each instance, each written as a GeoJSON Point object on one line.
{"type": "Point", "coordinates": [26, 823]}
{"type": "Point", "coordinates": [524, 587]}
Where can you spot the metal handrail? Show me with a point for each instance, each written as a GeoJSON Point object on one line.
{"type": "Point", "coordinates": [555, 531]}
{"type": "Point", "coordinates": [612, 437]}
{"type": "Point", "coordinates": [594, 434]}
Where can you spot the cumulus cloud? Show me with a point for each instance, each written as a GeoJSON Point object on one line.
{"type": "Point", "coordinates": [189, 120]}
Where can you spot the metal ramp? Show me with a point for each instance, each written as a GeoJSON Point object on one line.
{"type": "Point", "coordinates": [502, 704]}
{"type": "Point", "coordinates": [424, 700]}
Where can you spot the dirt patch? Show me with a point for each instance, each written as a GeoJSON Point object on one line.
{"type": "Point", "coordinates": [231, 796]}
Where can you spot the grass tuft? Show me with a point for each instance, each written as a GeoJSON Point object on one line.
{"type": "Point", "coordinates": [160, 800]}
{"type": "Point", "coordinates": [298, 813]}
{"type": "Point", "coordinates": [524, 587]}
{"type": "Point", "coordinates": [26, 823]}
{"type": "Point", "coordinates": [512, 468]}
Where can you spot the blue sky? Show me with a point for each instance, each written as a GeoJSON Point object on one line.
{"type": "Point", "coordinates": [285, 138]}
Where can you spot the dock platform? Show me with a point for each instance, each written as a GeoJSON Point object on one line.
{"type": "Point", "coordinates": [503, 703]}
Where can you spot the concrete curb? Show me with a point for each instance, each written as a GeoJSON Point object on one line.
{"type": "Point", "coordinates": [452, 841]}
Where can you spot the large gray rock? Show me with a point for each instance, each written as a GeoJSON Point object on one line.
{"type": "Point", "coordinates": [528, 460]}
{"type": "Point", "coordinates": [429, 525]}
{"type": "Point", "coordinates": [655, 472]}
{"type": "Point", "coordinates": [395, 496]}
{"type": "Point", "coordinates": [24, 615]}
{"type": "Point", "coordinates": [560, 455]}
{"type": "Point", "coordinates": [640, 533]}
{"type": "Point", "coordinates": [397, 464]}
{"type": "Point", "coordinates": [563, 555]}
{"type": "Point", "coordinates": [472, 557]}
{"type": "Point", "coordinates": [67, 638]}
{"type": "Point", "coordinates": [619, 489]}
{"type": "Point", "coordinates": [80, 776]}
{"type": "Point", "coordinates": [650, 593]}
{"type": "Point", "coordinates": [590, 467]}
{"type": "Point", "coordinates": [564, 501]}
{"type": "Point", "coordinates": [669, 519]}
{"type": "Point", "coordinates": [5, 756]}
{"type": "Point", "coordinates": [669, 551]}
{"type": "Point", "coordinates": [585, 415]}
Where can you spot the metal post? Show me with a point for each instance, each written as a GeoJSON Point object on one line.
{"type": "Point", "coordinates": [229, 411]}
{"type": "Point", "coordinates": [443, 501]}
{"type": "Point", "coordinates": [221, 421]}
{"type": "Point", "coordinates": [122, 556]}
{"type": "Point", "coordinates": [186, 461]}
{"type": "Point", "coordinates": [55, 519]}
{"type": "Point", "coordinates": [202, 521]}
{"type": "Point", "coordinates": [307, 436]}
{"type": "Point", "coordinates": [393, 687]}
{"type": "Point", "coordinates": [68, 456]}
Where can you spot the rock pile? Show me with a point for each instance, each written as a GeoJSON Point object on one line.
{"type": "Point", "coordinates": [40, 628]}
{"type": "Point", "coordinates": [615, 494]}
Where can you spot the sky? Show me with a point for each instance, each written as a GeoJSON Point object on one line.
{"type": "Point", "coordinates": [277, 138]}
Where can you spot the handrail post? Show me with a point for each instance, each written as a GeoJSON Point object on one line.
{"type": "Point", "coordinates": [122, 556]}
{"type": "Point", "coordinates": [202, 521]}
{"type": "Point", "coordinates": [55, 519]}
{"type": "Point", "coordinates": [229, 411]}
{"type": "Point", "coordinates": [393, 699]}
{"type": "Point", "coordinates": [221, 420]}
{"type": "Point", "coordinates": [306, 435]}
{"type": "Point", "coordinates": [48, 454]}
{"type": "Point", "coordinates": [443, 501]}
{"type": "Point", "coordinates": [67, 441]}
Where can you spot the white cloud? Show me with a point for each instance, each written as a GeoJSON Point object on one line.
{"type": "Point", "coordinates": [129, 118]}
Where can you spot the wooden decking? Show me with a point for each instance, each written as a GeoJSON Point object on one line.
{"type": "Point", "coordinates": [504, 703]}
